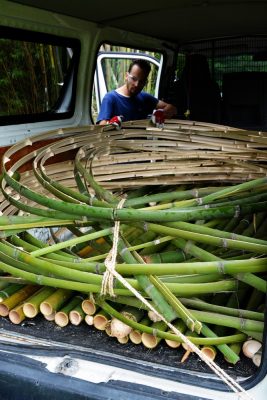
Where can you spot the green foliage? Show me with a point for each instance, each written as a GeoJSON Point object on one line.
{"type": "Point", "coordinates": [30, 74]}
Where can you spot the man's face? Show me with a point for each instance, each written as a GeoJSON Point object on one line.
{"type": "Point", "coordinates": [135, 80]}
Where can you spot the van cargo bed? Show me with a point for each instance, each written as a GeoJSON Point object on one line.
{"type": "Point", "coordinates": [86, 341]}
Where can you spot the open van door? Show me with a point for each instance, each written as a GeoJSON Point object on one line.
{"type": "Point", "coordinates": [110, 72]}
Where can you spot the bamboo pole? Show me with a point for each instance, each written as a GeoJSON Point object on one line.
{"type": "Point", "coordinates": [17, 297]}
{"type": "Point", "coordinates": [53, 303]}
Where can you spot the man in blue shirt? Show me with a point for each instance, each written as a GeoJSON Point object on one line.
{"type": "Point", "coordinates": [128, 101]}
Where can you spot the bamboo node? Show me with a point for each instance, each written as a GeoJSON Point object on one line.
{"type": "Point", "coordinates": [97, 269]}
{"type": "Point", "coordinates": [91, 297]}
{"type": "Point", "coordinates": [195, 193]}
{"type": "Point", "coordinates": [234, 236]}
{"type": "Point", "coordinates": [155, 332]}
{"type": "Point", "coordinates": [224, 243]}
{"type": "Point", "coordinates": [145, 227]}
{"type": "Point", "coordinates": [237, 211]}
{"type": "Point", "coordinates": [187, 247]}
{"type": "Point", "coordinates": [221, 267]}
{"type": "Point", "coordinates": [242, 323]}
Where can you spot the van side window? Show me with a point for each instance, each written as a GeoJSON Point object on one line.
{"type": "Point", "coordinates": [36, 76]}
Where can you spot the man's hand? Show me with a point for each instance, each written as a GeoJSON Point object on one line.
{"type": "Point", "coordinates": [169, 109]}
{"type": "Point", "coordinates": [116, 122]}
{"type": "Point", "coordinates": [158, 118]}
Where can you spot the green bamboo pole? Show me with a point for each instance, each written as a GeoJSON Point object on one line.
{"type": "Point", "coordinates": [202, 229]}
{"type": "Point", "coordinates": [213, 340]}
{"type": "Point", "coordinates": [135, 335]}
{"type": "Point", "coordinates": [190, 321]}
{"type": "Point", "coordinates": [62, 316]}
{"type": "Point", "coordinates": [31, 306]}
{"type": "Point", "coordinates": [158, 300]}
{"type": "Point", "coordinates": [3, 285]}
{"type": "Point", "coordinates": [30, 247]}
{"type": "Point", "coordinates": [9, 290]}
{"type": "Point", "coordinates": [77, 315]}
{"type": "Point", "coordinates": [228, 353]}
{"type": "Point", "coordinates": [74, 211]}
{"type": "Point", "coordinates": [16, 298]}
{"type": "Point", "coordinates": [16, 315]}
{"type": "Point", "coordinates": [223, 267]}
{"type": "Point", "coordinates": [232, 190]}
{"type": "Point", "coordinates": [165, 257]}
{"type": "Point", "coordinates": [151, 340]}
{"type": "Point", "coordinates": [169, 196]}
{"type": "Point", "coordinates": [235, 312]}
{"type": "Point", "coordinates": [71, 242]}
{"type": "Point", "coordinates": [253, 280]}
{"type": "Point", "coordinates": [249, 199]}
{"type": "Point", "coordinates": [95, 279]}
{"type": "Point", "coordinates": [180, 325]}
{"type": "Point", "coordinates": [227, 320]}
{"type": "Point", "coordinates": [208, 239]}
{"type": "Point", "coordinates": [55, 301]}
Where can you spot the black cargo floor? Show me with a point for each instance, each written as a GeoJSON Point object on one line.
{"type": "Point", "coordinates": [90, 338]}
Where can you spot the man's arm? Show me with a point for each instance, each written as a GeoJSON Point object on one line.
{"type": "Point", "coordinates": [106, 110]}
{"type": "Point", "coordinates": [103, 122]}
{"type": "Point", "coordinates": [169, 109]}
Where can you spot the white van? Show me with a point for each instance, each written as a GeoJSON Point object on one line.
{"type": "Point", "coordinates": [57, 61]}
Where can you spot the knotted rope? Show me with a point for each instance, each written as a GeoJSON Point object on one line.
{"type": "Point", "coordinates": [110, 261]}
{"type": "Point", "coordinates": [107, 288]}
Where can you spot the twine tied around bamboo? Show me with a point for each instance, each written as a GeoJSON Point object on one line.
{"type": "Point", "coordinates": [110, 261]}
{"type": "Point", "coordinates": [107, 288]}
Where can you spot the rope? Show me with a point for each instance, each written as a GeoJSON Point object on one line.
{"type": "Point", "coordinates": [107, 287]}
{"type": "Point", "coordinates": [110, 261]}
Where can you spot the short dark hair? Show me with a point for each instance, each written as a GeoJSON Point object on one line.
{"type": "Point", "coordinates": [143, 64]}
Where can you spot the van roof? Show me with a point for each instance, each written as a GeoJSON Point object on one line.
{"type": "Point", "coordinates": [173, 20]}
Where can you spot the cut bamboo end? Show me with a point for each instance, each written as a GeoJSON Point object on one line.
{"type": "Point", "coordinates": [30, 310]}
{"type": "Point", "coordinates": [100, 322]}
{"type": "Point", "coordinates": [11, 302]}
{"type": "Point", "coordinates": [89, 319]}
{"type": "Point", "coordinates": [186, 355]}
{"type": "Point", "coordinates": [50, 317]}
{"type": "Point", "coordinates": [75, 317]}
{"type": "Point", "coordinates": [31, 307]}
{"type": "Point", "coordinates": [209, 351]}
{"type": "Point", "coordinates": [61, 319]}
{"type": "Point", "coordinates": [149, 341]}
{"type": "Point", "coordinates": [46, 308]}
{"type": "Point", "coordinates": [89, 307]}
{"type": "Point", "coordinates": [123, 340]}
{"type": "Point", "coordinates": [172, 343]}
{"type": "Point", "coordinates": [251, 347]}
{"type": "Point", "coordinates": [153, 316]}
{"type": "Point", "coordinates": [108, 329]}
{"type": "Point", "coordinates": [4, 310]}
{"type": "Point", "coordinates": [119, 329]}
{"type": "Point", "coordinates": [17, 315]}
{"type": "Point", "coordinates": [257, 358]}
{"type": "Point", "coordinates": [55, 301]}
{"type": "Point", "coordinates": [135, 337]}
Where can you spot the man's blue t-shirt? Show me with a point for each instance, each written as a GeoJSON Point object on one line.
{"type": "Point", "coordinates": [130, 108]}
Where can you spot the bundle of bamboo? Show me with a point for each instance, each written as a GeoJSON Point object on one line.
{"type": "Point", "coordinates": [193, 224]}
